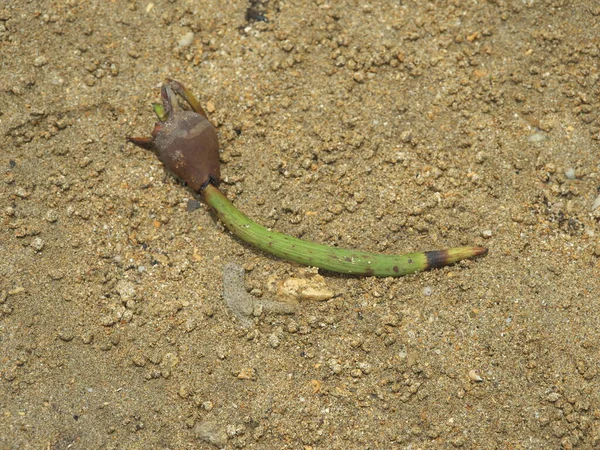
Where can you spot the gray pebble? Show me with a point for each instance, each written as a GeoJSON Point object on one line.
{"type": "Point", "coordinates": [365, 368]}
{"type": "Point", "coordinates": [234, 430]}
{"type": "Point", "coordinates": [211, 433]}
{"type": "Point", "coordinates": [335, 366]}
{"type": "Point", "coordinates": [51, 216]}
{"type": "Point", "coordinates": [553, 397]}
{"type": "Point", "coordinates": [108, 320]}
{"type": "Point", "coordinates": [243, 305]}
{"type": "Point", "coordinates": [37, 244]}
{"type": "Point", "coordinates": [193, 205]}
{"type": "Point", "coordinates": [126, 289]}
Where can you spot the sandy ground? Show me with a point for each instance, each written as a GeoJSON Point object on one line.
{"type": "Point", "coordinates": [389, 126]}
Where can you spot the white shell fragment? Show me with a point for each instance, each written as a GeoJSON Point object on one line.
{"type": "Point", "coordinates": [186, 40]}
{"type": "Point", "coordinates": [596, 204]}
{"type": "Point", "coordinates": [537, 137]}
{"type": "Point", "coordinates": [297, 289]}
{"type": "Point", "coordinates": [474, 376]}
{"type": "Point", "coordinates": [570, 173]}
{"type": "Point", "coordinates": [487, 234]}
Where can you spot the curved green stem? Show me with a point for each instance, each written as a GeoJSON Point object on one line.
{"type": "Point", "coordinates": [326, 257]}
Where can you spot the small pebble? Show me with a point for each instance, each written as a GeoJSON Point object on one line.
{"type": "Point", "coordinates": [65, 334]}
{"type": "Point", "coordinates": [51, 216]}
{"type": "Point", "coordinates": [273, 341]}
{"type": "Point", "coordinates": [553, 397]}
{"type": "Point", "coordinates": [126, 289]}
{"type": "Point", "coordinates": [247, 373]}
{"type": "Point", "coordinates": [365, 368]}
{"type": "Point", "coordinates": [192, 205]}
{"type": "Point", "coordinates": [335, 366]}
{"type": "Point", "coordinates": [108, 320]}
{"type": "Point", "coordinates": [169, 361]}
{"type": "Point", "coordinates": [37, 244]}
{"type": "Point", "coordinates": [393, 320]}
{"type": "Point", "coordinates": [258, 310]}
{"type": "Point", "coordinates": [40, 61]}
{"type": "Point", "coordinates": [486, 234]}
{"type": "Point", "coordinates": [138, 360]}
{"type": "Point", "coordinates": [127, 316]}
{"type": "Point", "coordinates": [356, 373]}
{"type": "Point", "coordinates": [292, 327]}
{"type": "Point", "coordinates": [10, 375]}
{"type": "Point", "coordinates": [190, 325]}
{"type": "Point", "coordinates": [184, 391]}
{"type": "Point", "coordinates": [359, 77]}
{"type": "Point", "coordinates": [234, 430]}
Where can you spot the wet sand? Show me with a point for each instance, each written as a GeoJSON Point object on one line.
{"type": "Point", "coordinates": [382, 126]}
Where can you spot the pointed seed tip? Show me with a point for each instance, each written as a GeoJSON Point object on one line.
{"type": "Point", "coordinates": [480, 251]}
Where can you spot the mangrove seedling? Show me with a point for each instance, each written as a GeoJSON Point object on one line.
{"type": "Point", "coordinates": [186, 143]}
